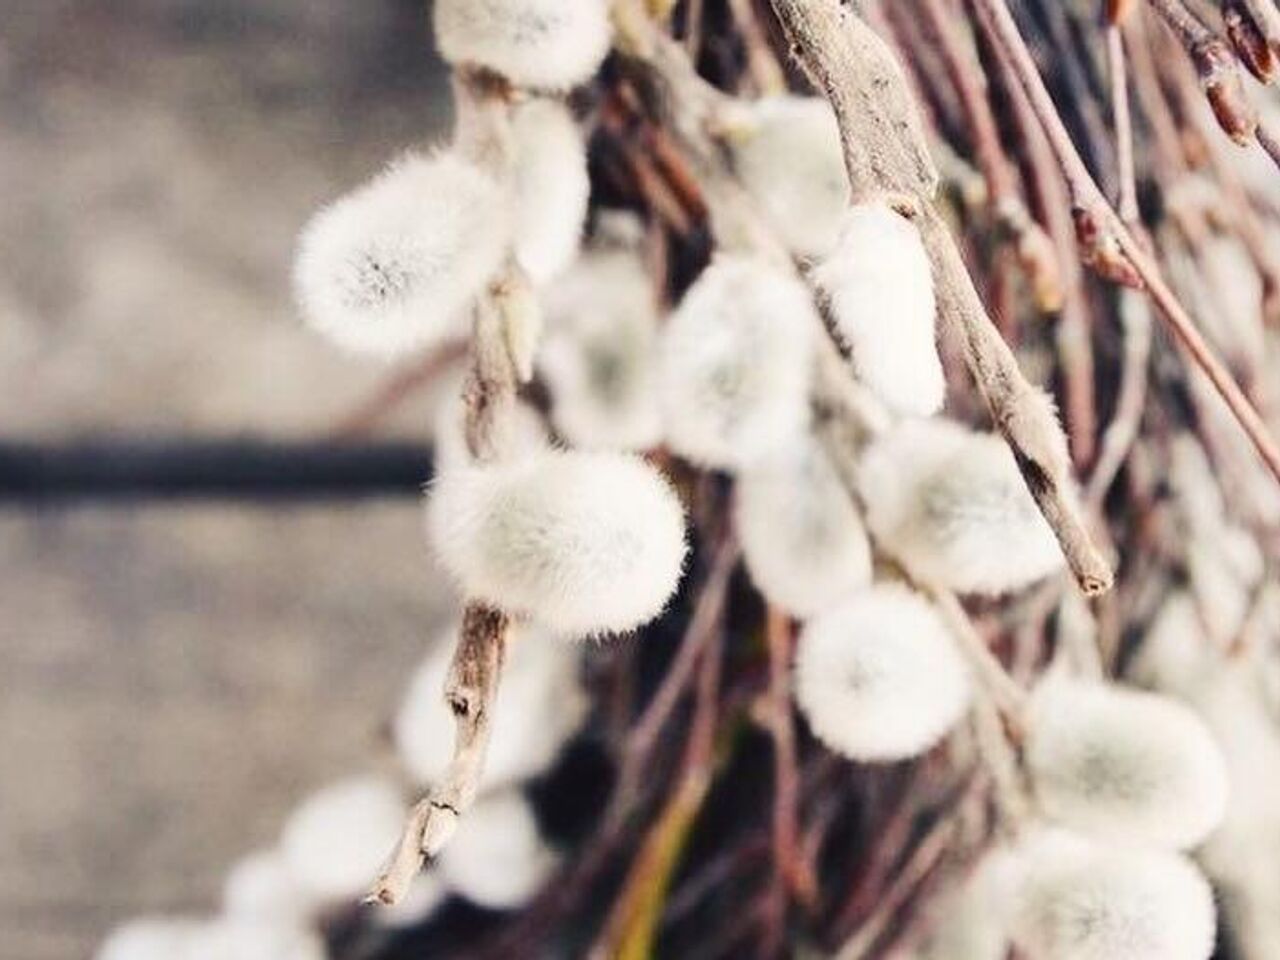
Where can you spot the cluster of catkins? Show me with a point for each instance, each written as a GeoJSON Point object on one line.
{"type": "Point", "coordinates": [572, 531]}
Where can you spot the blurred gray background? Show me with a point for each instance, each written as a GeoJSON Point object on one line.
{"type": "Point", "coordinates": [174, 677]}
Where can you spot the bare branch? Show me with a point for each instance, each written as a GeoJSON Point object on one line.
{"type": "Point", "coordinates": [886, 155]}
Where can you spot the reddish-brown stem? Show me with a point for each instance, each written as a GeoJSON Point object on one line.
{"type": "Point", "coordinates": [1007, 35]}
{"type": "Point", "coordinates": [791, 878]}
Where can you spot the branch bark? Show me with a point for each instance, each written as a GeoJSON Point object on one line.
{"type": "Point", "coordinates": [886, 156]}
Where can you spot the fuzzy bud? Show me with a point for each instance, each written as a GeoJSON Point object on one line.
{"type": "Point", "coordinates": [539, 679]}
{"type": "Point", "coordinates": [1124, 765]}
{"type": "Point", "coordinates": [736, 364]}
{"type": "Point", "coordinates": [237, 939]}
{"type": "Point", "coordinates": [337, 840]}
{"type": "Point", "coordinates": [498, 858]}
{"type": "Point", "coordinates": [551, 187]}
{"type": "Point", "coordinates": [1081, 901]}
{"type": "Point", "coordinates": [1176, 652]}
{"type": "Point", "coordinates": [599, 357]}
{"type": "Point", "coordinates": [787, 151]}
{"type": "Point", "coordinates": [952, 507]}
{"type": "Point", "coordinates": [880, 287]}
{"type": "Point", "coordinates": [583, 543]}
{"type": "Point", "coordinates": [149, 938]}
{"type": "Point", "coordinates": [261, 886]}
{"type": "Point", "coordinates": [544, 44]}
{"type": "Point", "coordinates": [878, 677]}
{"type": "Point", "coordinates": [391, 266]}
{"type": "Point", "coordinates": [803, 541]}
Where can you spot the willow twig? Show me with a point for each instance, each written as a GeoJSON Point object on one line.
{"type": "Point", "coordinates": [886, 155]}
{"type": "Point", "coordinates": [1006, 33]}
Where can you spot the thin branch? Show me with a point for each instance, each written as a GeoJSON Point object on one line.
{"type": "Point", "coordinates": [489, 394]}
{"type": "Point", "coordinates": [1217, 68]}
{"type": "Point", "coordinates": [926, 856]}
{"type": "Point", "coordinates": [1006, 33]}
{"type": "Point", "coordinates": [886, 155]}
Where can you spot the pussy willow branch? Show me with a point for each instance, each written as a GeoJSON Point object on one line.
{"type": "Point", "coordinates": [471, 686]}
{"type": "Point", "coordinates": [886, 155]}
{"type": "Point", "coordinates": [1031, 243]}
{"type": "Point", "coordinates": [1007, 37]}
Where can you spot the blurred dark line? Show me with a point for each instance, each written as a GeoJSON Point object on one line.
{"type": "Point", "coordinates": [240, 469]}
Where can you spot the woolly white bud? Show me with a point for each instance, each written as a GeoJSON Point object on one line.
{"type": "Point", "coordinates": [599, 357]}
{"type": "Point", "coordinates": [149, 938]}
{"type": "Point", "coordinates": [547, 44]}
{"type": "Point", "coordinates": [1080, 901]}
{"type": "Point", "coordinates": [879, 677]}
{"type": "Point", "coordinates": [951, 506]}
{"type": "Point", "coordinates": [802, 538]}
{"type": "Point", "coordinates": [338, 839]}
{"type": "Point", "coordinates": [498, 859]}
{"type": "Point", "coordinates": [787, 151]}
{"type": "Point", "coordinates": [736, 364]}
{"type": "Point", "coordinates": [239, 939]}
{"type": "Point", "coordinates": [880, 287]}
{"type": "Point", "coordinates": [524, 433]}
{"type": "Point", "coordinates": [391, 266]}
{"type": "Point", "coordinates": [539, 679]}
{"type": "Point", "coordinates": [1175, 652]}
{"type": "Point", "coordinates": [551, 187]}
{"type": "Point", "coordinates": [584, 543]}
{"type": "Point", "coordinates": [1123, 764]}
{"type": "Point", "coordinates": [261, 886]}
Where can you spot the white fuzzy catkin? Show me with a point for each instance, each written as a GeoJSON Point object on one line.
{"type": "Point", "coordinates": [551, 187]}
{"type": "Point", "coordinates": [803, 541]}
{"type": "Point", "coordinates": [878, 677]}
{"type": "Point", "coordinates": [584, 543]}
{"type": "Point", "coordinates": [239, 939]}
{"type": "Point", "coordinates": [261, 886]}
{"type": "Point", "coordinates": [391, 266]}
{"type": "Point", "coordinates": [880, 287]}
{"type": "Point", "coordinates": [950, 505]}
{"type": "Point", "coordinates": [338, 839]}
{"type": "Point", "coordinates": [787, 151]}
{"type": "Point", "coordinates": [1124, 765]}
{"type": "Point", "coordinates": [498, 858]}
{"type": "Point", "coordinates": [545, 44]}
{"type": "Point", "coordinates": [599, 354]}
{"type": "Point", "coordinates": [149, 938]}
{"type": "Point", "coordinates": [1175, 653]}
{"type": "Point", "coordinates": [539, 680]}
{"type": "Point", "coordinates": [736, 363]}
{"type": "Point", "coordinates": [1081, 901]}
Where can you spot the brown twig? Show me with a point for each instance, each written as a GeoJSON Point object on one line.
{"type": "Point", "coordinates": [927, 855]}
{"type": "Point", "coordinates": [886, 155]}
{"type": "Point", "coordinates": [489, 394]}
{"type": "Point", "coordinates": [699, 634]}
{"type": "Point", "coordinates": [1217, 68]}
{"type": "Point", "coordinates": [790, 875]}
{"type": "Point", "coordinates": [632, 924]}
{"type": "Point", "coordinates": [1006, 33]}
